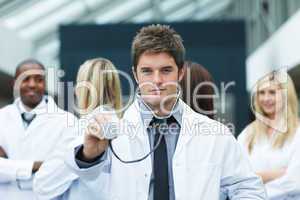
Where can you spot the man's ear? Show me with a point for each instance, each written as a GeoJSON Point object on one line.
{"type": "Point", "coordinates": [181, 73]}
{"type": "Point", "coordinates": [134, 74]}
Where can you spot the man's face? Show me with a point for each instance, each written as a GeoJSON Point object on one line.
{"type": "Point", "coordinates": [32, 84]}
{"type": "Point", "coordinates": [157, 75]}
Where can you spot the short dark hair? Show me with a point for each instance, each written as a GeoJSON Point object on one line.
{"type": "Point", "coordinates": [157, 39]}
{"type": "Point", "coordinates": [29, 61]}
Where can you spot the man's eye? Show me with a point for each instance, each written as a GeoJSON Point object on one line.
{"type": "Point", "coordinates": [167, 70]}
{"type": "Point", "coordinates": [146, 71]}
{"type": "Point", "coordinates": [39, 78]}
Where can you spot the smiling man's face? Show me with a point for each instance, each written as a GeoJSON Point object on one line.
{"type": "Point", "coordinates": [158, 75]}
{"type": "Point", "coordinates": [32, 86]}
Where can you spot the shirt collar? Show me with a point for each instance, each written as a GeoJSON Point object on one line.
{"type": "Point", "coordinates": [40, 108]}
{"type": "Point", "coordinates": [147, 115]}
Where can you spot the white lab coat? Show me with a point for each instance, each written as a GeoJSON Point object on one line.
{"type": "Point", "coordinates": [207, 164]}
{"type": "Point", "coordinates": [55, 180]}
{"type": "Point", "coordinates": [264, 157]}
{"type": "Point", "coordinates": [23, 145]}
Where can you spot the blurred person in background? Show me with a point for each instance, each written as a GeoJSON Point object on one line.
{"type": "Point", "coordinates": [30, 129]}
{"type": "Point", "coordinates": [273, 139]}
{"type": "Point", "coordinates": [98, 89]}
{"type": "Point", "coordinates": [198, 81]}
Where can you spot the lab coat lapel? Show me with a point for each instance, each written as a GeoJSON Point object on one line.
{"type": "Point", "coordinates": [38, 121]}
{"type": "Point", "coordinates": [16, 119]}
{"type": "Point", "coordinates": [190, 119]}
{"type": "Point", "coordinates": [138, 133]}
{"type": "Point", "coordinates": [43, 114]}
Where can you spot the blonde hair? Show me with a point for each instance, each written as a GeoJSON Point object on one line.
{"type": "Point", "coordinates": [258, 128]}
{"type": "Point", "coordinates": [98, 83]}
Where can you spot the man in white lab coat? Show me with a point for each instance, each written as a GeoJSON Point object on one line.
{"type": "Point", "coordinates": [31, 128]}
{"type": "Point", "coordinates": [195, 158]}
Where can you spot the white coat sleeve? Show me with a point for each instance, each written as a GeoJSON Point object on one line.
{"type": "Point", "coordinates": [54, 177]}
{"type": "Point", "coordinates": [15, 170]}
{"type": "Point", "coordinates": [289, 184]}
{"type": "Point", "coordinates": [88, 173]}
{"type": "Point", "coordinates": [91, 172]}
{"type": "Point", "coordinates": [238, 179]}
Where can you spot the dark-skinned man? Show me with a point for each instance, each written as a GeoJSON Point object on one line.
{"type": "Point", "coordinates": [32, 126]}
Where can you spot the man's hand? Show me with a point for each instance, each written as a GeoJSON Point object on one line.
{"type": "Point", "coordinates": [36, 166]}
{"type": "Point", "coordinates": [94, 142]}
{"type": "Point", "coordinates": [2, 153]}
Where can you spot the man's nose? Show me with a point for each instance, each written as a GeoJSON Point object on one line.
{"type": "Point", "coordinates": [157, 78]}
{"type": "Point", "coordinates": [31, 82]}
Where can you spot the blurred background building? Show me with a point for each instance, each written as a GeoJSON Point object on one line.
{"type": "Point", "coordinates": [32, 29]}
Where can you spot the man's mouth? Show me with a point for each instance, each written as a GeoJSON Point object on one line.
{"type": "Point", "coordinates": [157, 91]}
{"type": "Point", "coordinates": [31, 93]}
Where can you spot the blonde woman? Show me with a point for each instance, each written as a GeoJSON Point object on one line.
{"type": "Point", "coordinates": [98, 90]}
{"type": "Point", "coordinates": [98, 85]}
{"type": "Point", "coordinates": [273, 139]}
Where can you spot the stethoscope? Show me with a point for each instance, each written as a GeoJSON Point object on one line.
{"type": "Point", "coordinates": [140, 99]}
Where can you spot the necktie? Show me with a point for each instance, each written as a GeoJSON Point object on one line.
{"type": "Point", "coordinates": [161, 176]}
{"type": "Point", "coordinates": [28, 117]}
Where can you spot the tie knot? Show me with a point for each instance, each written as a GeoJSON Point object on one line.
{"type": "Point", "coordinates": [164, 125]}
{"type": "Point", "coordinates": [159, 121]}
{"type": "Point", "coordinates": [28, 117]}
{"type": "Point", "coordinates": [166, 121]}
{"type": "Point", "coordinates": [156, 122]}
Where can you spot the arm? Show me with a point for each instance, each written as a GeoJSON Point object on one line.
{"type": "Point", "coordinates": [289, 183]}
{"type": "Point", "coordinates": [36, 166]}
{"type": "Point", "coordinates": [270, 175]}
{"type": "Point", "coordinates": [54, 178]}
{"type": "Point", "coordinates": [87, 167]}
{"type": "Point", "coordinates": [2, 153]}
{"type": "Point", "coordinates": [60, 171]}
{"type": "Point", "coordinates": [88, 159]}
{"type": "Point", "coordinates": [267, 175]}
{"type": "Point", "coordinates": [238, 180]}
{"type": "Point", "coordinates": [27, 184]}
{"type": "Point", "coordinates": [15, 170]}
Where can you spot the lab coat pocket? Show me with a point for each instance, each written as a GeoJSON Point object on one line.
{"type": "Point", "coordinates": [203, 181]}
